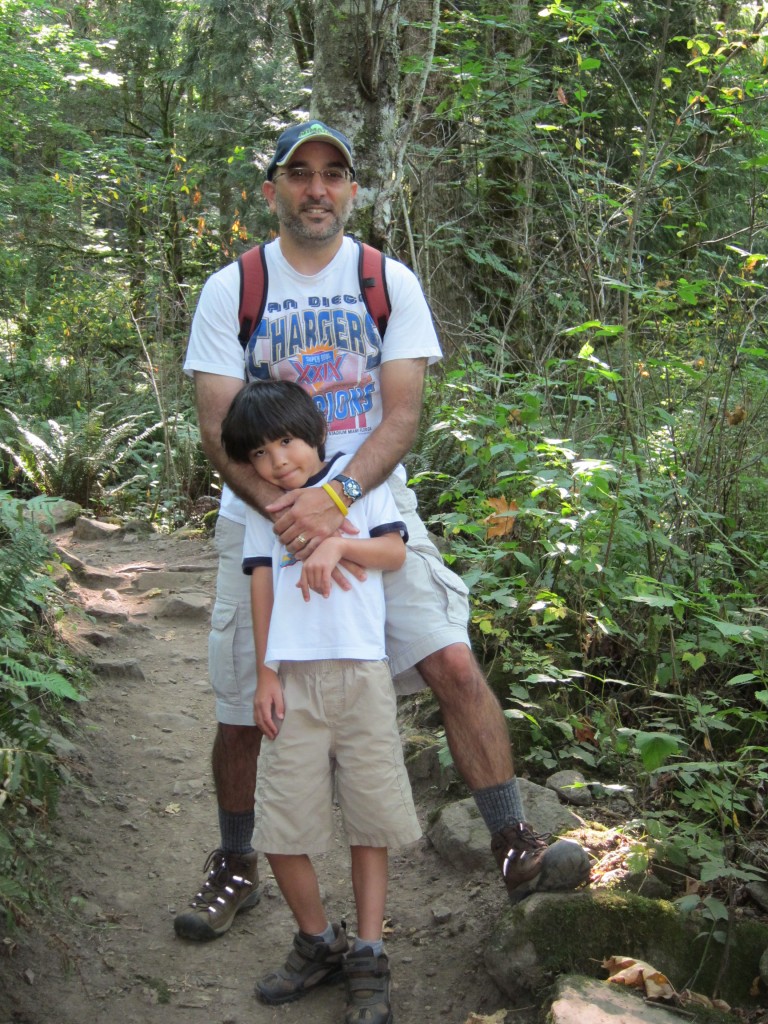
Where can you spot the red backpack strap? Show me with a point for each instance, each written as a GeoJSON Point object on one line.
{"type": "Point", "coordinates": [253, 291]}
{"type": "Point", "coordinates": [373, 284]}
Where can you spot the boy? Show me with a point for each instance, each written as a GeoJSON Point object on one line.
{"type": "Point", "coordinates": [324, 701]}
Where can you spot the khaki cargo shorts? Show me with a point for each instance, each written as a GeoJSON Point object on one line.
{"type": "Point", "coordinates": [339, 735]}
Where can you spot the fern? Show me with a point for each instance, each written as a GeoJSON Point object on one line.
{"type": "Point", "coordinates": [32, 692]}
{"type": "Point", "coordinates": [77, 459]}
{"type": "Point", "coordinates": [23, 549]}
{"type": "Point", "coordinates": [20, 676]}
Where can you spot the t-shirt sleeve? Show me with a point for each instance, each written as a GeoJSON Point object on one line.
{"type": "Point", "coordinates": [383, 515]}
{"type": "Point", "coordinates": [258, 543]}
{"type": "Point", "coordinates": [214, 346]}
{"type": "Point", "coordinates": [410, 331]}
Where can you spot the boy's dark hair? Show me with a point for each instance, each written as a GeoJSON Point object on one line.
{"type": "Point", "coordinates": [266, 411]}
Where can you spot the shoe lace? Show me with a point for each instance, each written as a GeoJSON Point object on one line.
{"type": "Point", "coordinates": [517, 841]}
{"type": "Point", "coordinates": [523, 837]}
{"type": "Point", "coordinates": [220, 879]}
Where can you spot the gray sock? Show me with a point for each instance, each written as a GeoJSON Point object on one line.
{"type": "Point", "coordinates": [500, 805]}
{"type": "Point", "coordinates": [377, 947]}
{"type": "Point", "coordinates": [236, 831]}
{"type": "Point", "coordinates": [328, 936]}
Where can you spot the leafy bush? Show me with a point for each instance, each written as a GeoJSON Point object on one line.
{"type": "Point", "coordinates": [117, 458]}
{"type": "Point", "coordinates": [83, 458]}
{"type": "Point", "coordinates": [33, 695]}
{"type": "Point", "coordinates": [622, 624]}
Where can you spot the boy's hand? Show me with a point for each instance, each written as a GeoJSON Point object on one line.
{"type": "Point", "coordinates": [268, 704]}
{"type": "Point", "coordinates": [320, 568]}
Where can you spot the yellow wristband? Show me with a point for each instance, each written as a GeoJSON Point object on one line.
{"type": "Point", "coordinates": [336, 499]}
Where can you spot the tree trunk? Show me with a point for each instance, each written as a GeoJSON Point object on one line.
{"type": "Point", "coordinates": [356, 88]}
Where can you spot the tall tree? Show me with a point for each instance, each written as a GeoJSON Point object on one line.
{"type": "Point", "coordinates": [357, 85]}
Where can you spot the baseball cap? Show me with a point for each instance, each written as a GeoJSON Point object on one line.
{"type": "Point", "coordinates": [308, 131]}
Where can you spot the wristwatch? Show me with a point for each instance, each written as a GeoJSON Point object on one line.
{"type": "Point", "coordinates": [350, 488]}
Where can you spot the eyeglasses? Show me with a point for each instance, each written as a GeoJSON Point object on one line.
{"type": "Point", "coordinates": [303, 175]}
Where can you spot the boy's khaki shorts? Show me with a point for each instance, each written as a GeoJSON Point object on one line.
{"type": "Point", "coordinates": [340, 727]}
{"type": "Point", "coordinates": [427, 610]}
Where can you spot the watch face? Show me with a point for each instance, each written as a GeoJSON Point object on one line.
{"type": "Point", "coordinates": [350, 487]}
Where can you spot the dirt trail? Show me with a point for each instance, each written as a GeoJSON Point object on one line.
{"type": "Point", "coordinates": [131, 839]}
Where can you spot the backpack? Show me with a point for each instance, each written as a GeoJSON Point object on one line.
{"type": "Point", "coordinates": [254, 287]}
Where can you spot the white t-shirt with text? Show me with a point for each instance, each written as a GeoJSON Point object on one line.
{"type": "Point", "coordinates": [316, 331]}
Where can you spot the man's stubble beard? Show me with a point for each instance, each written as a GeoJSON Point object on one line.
{"type": "Point", "coordinates": [293, 222]}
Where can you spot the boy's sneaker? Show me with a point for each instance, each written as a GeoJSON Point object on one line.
{"type": "Point", "coordinates": [368, 983]}
{"type": "Point", "coordinates": [310, 963]}
{"type": "Point", "coordinates": [528, 865]}
{"type": "Point", "coordinates": [229, 888]}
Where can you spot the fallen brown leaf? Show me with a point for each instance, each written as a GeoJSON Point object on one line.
{"type": "Point", "coordinates": [623, 970]}
{"type": "Point", "coordinates": [500, 523]}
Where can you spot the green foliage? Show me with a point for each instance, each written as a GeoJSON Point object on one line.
{"type": "Point", "coordinates": [82, 460]}
{"type": "Point", "coordinates": [584, 198]}
{"type": "Point", "coordinates": [111, 462]}
{"type": "Point", "coordinates": [619, 614]}
{"type": "Point", "coordinates": [34, 692]}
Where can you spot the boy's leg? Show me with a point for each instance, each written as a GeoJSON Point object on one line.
{"type": "Point", "coordinates": [297, 881]}
{"type": "Point", "coordinates": [317, 954]}
{"type": "Point", "coordinates": [366, 967]}
{"type": "Point", "coordinates": [370, 761]}
{"type": "Point", "coordinates": [295, 812]}
{"type": "Point", "coordinates": [369, 884]}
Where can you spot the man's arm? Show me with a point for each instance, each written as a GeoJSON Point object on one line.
{"type": "Point", "coordinates": [213, 396]}
{"type": "Point", "coordinates": [311, 513]}
{"type": "Point", "coordinates": [402, 393]}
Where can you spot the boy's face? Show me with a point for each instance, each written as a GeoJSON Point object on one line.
{"type": "Point", "coordinates": [287, 463]}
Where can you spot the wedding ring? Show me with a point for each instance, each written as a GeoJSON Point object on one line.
{"type": "Point", "coordinates": [302, 540]}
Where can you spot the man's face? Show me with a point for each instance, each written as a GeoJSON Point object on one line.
{"type": "Point", "coordinates": [315, 209]}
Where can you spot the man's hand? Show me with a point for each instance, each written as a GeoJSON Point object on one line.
{"type": "Point", "coordinates": [304, 518]}
{"type": "Point", "coordinates": [307, 512]}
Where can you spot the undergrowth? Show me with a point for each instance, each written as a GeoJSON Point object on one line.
{"type": "Point", "coordinates": [617, 593]}
{"type": "Point", "coordinates": [37, 688]}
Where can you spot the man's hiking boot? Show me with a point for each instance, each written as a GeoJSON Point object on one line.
{"type": "Point", "coordinates": [231, 886]}
{"type": "Point", "coordinates": [310, 963]}
{"type": "Point", "coordinates": [368, 983]}
{"type": "Point", "coordinates": [529, 865]}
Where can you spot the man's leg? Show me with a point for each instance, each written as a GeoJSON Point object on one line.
{"type": "Point", "coordinates": [233, 760]}
{"type": "Point", "coordinates": [479, 743]}
{"type": "Point", "coordinates": [474, 722]}
{"type": "Point", "coordinates": [232, 876]}
{"type": "Point", "coordinates": [436, 641]}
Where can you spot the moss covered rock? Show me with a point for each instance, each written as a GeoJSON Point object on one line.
{"type": "Point", "coordinates": [552, 934]}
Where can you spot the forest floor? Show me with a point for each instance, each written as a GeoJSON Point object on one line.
{"type": "Point", "coordinates": [134, 828]}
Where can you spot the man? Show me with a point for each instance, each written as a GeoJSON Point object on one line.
{"type": "Point", "coordinates": [316, 330]}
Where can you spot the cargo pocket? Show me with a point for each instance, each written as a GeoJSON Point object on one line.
{"type": "Point", "coordinates": [224, 657]}
{"type": "Point", "coordinates": [452, 589]}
